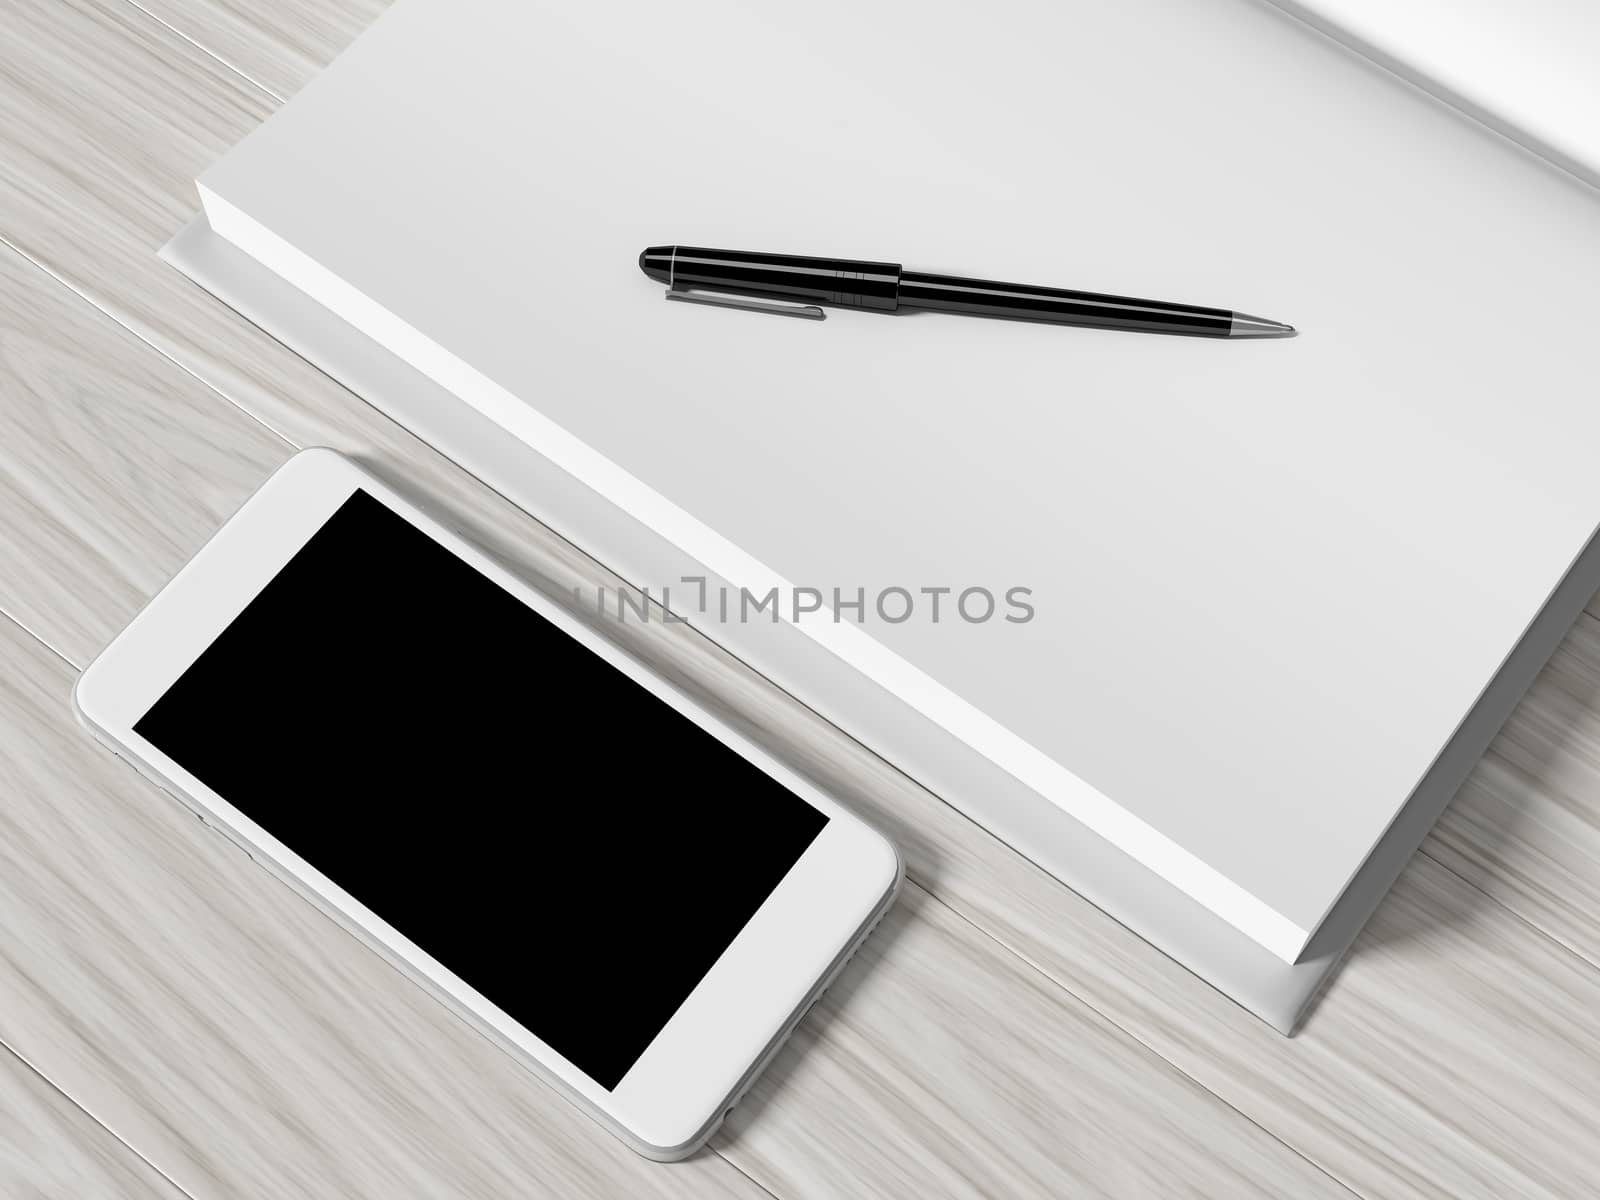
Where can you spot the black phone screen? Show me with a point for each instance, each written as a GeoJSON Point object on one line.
{"type": "Point", "coordinates": [561, 839]}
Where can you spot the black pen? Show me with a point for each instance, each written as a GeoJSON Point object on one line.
{"type": "Point", "coordinates": [794, 285]}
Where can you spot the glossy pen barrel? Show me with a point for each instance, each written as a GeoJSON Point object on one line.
{"type": "Point", "coordinates": [844, 282]}
{"type": "Point", "coordinates": [1025, 302]}
{"type": "Point", "coordinates": [795, 285]}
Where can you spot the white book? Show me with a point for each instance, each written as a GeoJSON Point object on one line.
{"type": "Point", "coordinates": [1529, 69]}
{"type": "Point", "coordinates": [1270, 582]}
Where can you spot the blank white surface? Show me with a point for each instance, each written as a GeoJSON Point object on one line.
{"type": "Point", "coordinates": [1176, 505]}
{"type": "Point", "coordinates": [1221, 954]}
{"type": "Point", "coordinates": [1527, 68]}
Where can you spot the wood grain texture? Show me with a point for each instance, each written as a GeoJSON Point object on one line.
{"type": "Point", "coordinates": [115, 466]}
{"type": "Point", "coordinates": [1525, 829]}
{"type": "Point", "coordinates": [278, 48]}
{"type": "Point", "coordinates": [1433, 1067]}
{"type": "Point", "coordinates": [105, 119]}
{"type": "Point", "coordinates": [245, 1042]}
{"type": "Point", "coordinates": [946, 1066]}
{"type": "Point", "coordinates": [49, 1147]}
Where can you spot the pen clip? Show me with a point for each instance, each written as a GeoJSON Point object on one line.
{"type": "Point", "coordinates": [689, 295]}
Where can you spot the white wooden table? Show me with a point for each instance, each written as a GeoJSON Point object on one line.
{"type": "Point", "coordinates": [177, 1022]}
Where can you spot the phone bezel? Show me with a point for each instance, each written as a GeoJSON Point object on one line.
{"type": "Point", "coordinates": [677, 1091]}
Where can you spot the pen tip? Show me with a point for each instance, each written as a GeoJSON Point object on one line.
{"type": "Point", "coordinates": [1246, 326]}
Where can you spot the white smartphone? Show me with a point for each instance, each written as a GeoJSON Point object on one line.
{"type": "Point", "coordinates": [574, 856]}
